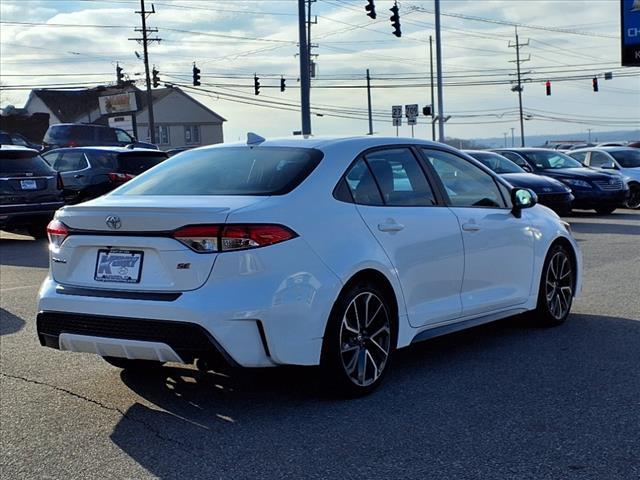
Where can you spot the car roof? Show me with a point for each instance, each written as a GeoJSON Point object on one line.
{"type": "Point", "coordinates": [17, 148]}
{"type": "Point", "coordinates": [96, 125]}
{"type": "Point", "coordinates": [108, 148]}
{"type": "Point", "coordinates": [364, 141]}
{"type": "Point", "coordinates": [604, 149]}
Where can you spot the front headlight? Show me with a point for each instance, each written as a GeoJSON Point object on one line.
{"type": "Point", "coordinates": [576, 183]}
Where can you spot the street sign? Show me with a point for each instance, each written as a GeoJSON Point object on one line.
{"type": "Point", "coordinates": [397, 121]}
{"type": "Point", "coordinates": [411, 111]}
{"type": "Point", "coordinates": [396, 111]}
{"type": "Point", "coordinates": [630, 35]}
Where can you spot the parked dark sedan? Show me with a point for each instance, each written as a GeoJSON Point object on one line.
{"type": "Point", "coordinates": [30, 191]}
{"type": "Point", "coordinates": [551, 193]}
{"type": "Point", "coordinates": [88, 172]}
{"type": "Point", "coordinates": [593, 189]}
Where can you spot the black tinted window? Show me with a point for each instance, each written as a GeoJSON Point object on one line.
{"type": "Point", "coordinates": [400, 178]}
{"type": "Point", "coordinates": [627, 158]}
{"type": "Point", "coordinates": [70, 161]}
{"type": "Point", "coordinates": [497, 163]}
{"type": "Point", "coordinates": [515, 158]}
{"type": "Point", "coordinates": [103, 159]}
{"type": "Point", "coordinates": [228, 171]}
{"type": "Point", "coordinates": [138, 162]}
{"type": "Point", "coordinates": [14, 162]}
{"type": "Point", "coordinates": [69, 132]}
{"type": "Point", "coordinates": [362, 185]}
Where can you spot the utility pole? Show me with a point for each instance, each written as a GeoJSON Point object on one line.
{"type": "Point", "coordinates": [589, 130]}
{"type": "Point", "coordinates": [513, 137]}
{"type": "Point", "coordinates": [145, 40]}
{"type": "Point", "coordinates": [369, 103]}
{"type": "Point", "coordinates": [505, 139]}
{"type": "Point", "coordinates": [305, 74]}
{"type": "Point", "coordinates": [441, 119]}
{"type": "Point", "coordinates": [518, 87]}
{"type": "Point", "coordinates": [433, 107]}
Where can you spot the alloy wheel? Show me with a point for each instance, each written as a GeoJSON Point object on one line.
{"type": "Point", "coordinates": [634, 198]}
{"type": "Point", "coordinates": [559, 285]}
{"type": "Point", "coordinates": [365, 339]}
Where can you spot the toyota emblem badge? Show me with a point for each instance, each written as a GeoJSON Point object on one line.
{"type": "Point", "coordinates": [113, 222]}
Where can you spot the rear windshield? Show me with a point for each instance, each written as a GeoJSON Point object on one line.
{"type": "Point", "coordinates": [21, 162]}
{"type": "Point", "coordinates": [228, 171]}
{"type": "Point", "coordinates": [129, 162]}
{"type": "Point", "coordinates": [497, 163]}
{"type": "Point", "coordinates": [79, 133]}
{"type": "Point", "coordinates": [137, 162]}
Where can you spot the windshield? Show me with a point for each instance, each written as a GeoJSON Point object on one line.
{"type": "Point", "coordinates": [547, 160]}
{"type": "Point", "coordinates": [227, 171]}
{"type": "Point", "coordinates": [627, 158]}
{"type": "Point", "coordinates": [497, 163]}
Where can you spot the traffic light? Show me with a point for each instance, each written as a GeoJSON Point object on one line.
{"type": "Point", "coordinates": [395, 20]}
{"type": "Point", "coordinates": [371, 9]}
{"type": "Point", "coordinates": [282, 84]}
{"type": "Point", "coordinates": [156, 79]}
{"type": "Point", "coordinates": [595, 84]}
{"type": "Point", "coordinates": [119, 75]}
{"type": "Point", "coordinates": [196, 75]}
{"type": "Point", "coordinates": [426, 111]}
{"type": "Point", "coordinates": [256, 85]}
{"type": "Point", "coordinates": [548, 86]}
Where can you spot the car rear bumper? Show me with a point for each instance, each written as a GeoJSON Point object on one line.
{"type": "Point", "coordinates": [257, 309]}
{"type": "Point", "coordinates": [26, 214]}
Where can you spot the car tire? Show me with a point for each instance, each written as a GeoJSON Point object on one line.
{"type": "Point", "coordinates": [359, 340]}
{"type": "Point", "coordinates": [605, 210]}
{"type": "Point", "coordinates": [557, 285]}
{"type": "Point", "coordinates": [38, 230]}
{"type": "Point", "coordinates": [132, 364]}
{"type": "Point", "coordinates": [634, 197]}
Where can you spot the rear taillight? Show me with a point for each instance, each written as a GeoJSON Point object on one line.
{"type": "Point", "coordinates": [224, 238]}
{"type": "Point", "coordinates": [59, 182]}
{"type": "Point", "coordinates": [199, 238]}
{"type": "Point", "coordinates": [116, 177]}
{"type": "Point", "coordinates": [57, 232]}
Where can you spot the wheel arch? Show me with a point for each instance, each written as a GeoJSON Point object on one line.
{"type": "Point", "coordinates": [573, 256]}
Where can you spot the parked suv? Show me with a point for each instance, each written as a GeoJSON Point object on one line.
{"type": "Point", "coordinates": [592, 189]}
{"type": "Point", "coordinates": [85, 135]}
{"type": "Point", "coordinates": [30, 191]}
{"type": "Point", "coordinates": [88, 172]}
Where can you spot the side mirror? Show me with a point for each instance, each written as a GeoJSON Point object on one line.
{"type": "Point", "coordinates": [522, 198]}
{"type": "Point", "coordinates": [526, 168]}
{"type": "Point", "coordinates": [608, 166]}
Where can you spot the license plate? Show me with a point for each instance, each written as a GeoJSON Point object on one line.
{"type": "Point", "coordinates": [119, 266]}
{"type": "Point", "coordinates": [28, 184]}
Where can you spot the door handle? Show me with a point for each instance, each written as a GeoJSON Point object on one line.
{"type": "Point", "coordinates": [390, 227]}
{"type": "Point", "coordinates": [78, 175]}
{"type": "Point", "coordinates": [470, 227]}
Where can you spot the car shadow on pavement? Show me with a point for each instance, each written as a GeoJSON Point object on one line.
{"type": "Point", "coordinates": [9, 323]}
{"type": "Point", "coordinates": [21, 253]}
{"type": "Point", "coordinates": [620, 214]}
{"type": "Point", "coordinates": [496, 399]}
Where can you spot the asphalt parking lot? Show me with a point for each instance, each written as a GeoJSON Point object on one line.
{"type": "Point", "coordinates": [505, 400]}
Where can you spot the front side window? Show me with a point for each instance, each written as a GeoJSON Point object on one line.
{"type": "Point", "coordinates": [497, 163]}
{"type": "Point", "coordinates": [400, 178]}
{"type": "Point", "coordinates": [227, 171]}
{"type": "Point", "coordinates": [515, 158]}
{"type": "Point", "coordinates": [599, 159]}
{"type": "Point", "coordinates": [465, 184]}
{"type": "Point", "coordinates": [579, 156]}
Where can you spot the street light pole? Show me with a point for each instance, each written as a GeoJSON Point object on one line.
{"type": "Point", "coordinates": [305, 74]}
{"type": "Point", "coordinates": [439, 65]}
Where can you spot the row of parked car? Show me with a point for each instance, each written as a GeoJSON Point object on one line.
{"type": "Point", "coordinates": [34, 184]}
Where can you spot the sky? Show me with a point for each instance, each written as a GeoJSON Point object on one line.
{"type": "Point", "coordinates": [48, 43]}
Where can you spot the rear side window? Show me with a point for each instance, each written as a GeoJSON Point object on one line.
{"type": "Point", "coordinates": [362, 185]}
{"type": "Point", "coordinates": [106, 135]}
{"type": "Point", "coordinates": [228, 171]}
{"type": "Point", "coordinates": [21, 162]}
{"type": "Point", "coordinates": [103, 159]}
{"type": "Point", "coordinates": [400, 178]}
{"type": "Point", "coordinates": [136, 163]}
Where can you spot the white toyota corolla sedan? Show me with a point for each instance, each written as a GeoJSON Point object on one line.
{"type": "Point", "coordinates": [318, 251]}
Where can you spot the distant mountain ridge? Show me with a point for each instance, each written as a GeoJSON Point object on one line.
{"type": "Point", "coordinates": [539, 140]}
